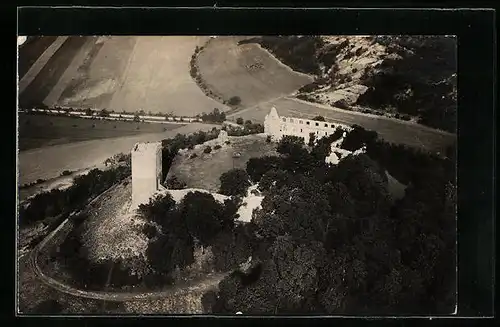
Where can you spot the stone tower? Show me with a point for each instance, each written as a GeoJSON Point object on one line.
{"type": "Point", "coordinates": [146, 171]}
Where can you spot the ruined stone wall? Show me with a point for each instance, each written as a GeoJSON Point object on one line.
{"type": "Point", "coordinates": [278, 126]}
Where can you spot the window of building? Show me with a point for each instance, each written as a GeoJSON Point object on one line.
{"type": "Point", "coordinates": [326, 133]}
{"type": "Point", "coordinates": [317, 132]}
{"type": "Point", "coordinates": [291, 120]}
{"type": "Point", "coordinates": [300, 121]}
{"type": "Point", "coordinates": [333, 126]}
{"type": "Point", "coordinates": [301, 130]}
{"type": "Point", "coordinates": [326, 125]}
{"type": "Point", "coordinates": [284, 119]}
{"type": "Point", "coordinates": [317, 124]}
{"type": "Point", "coordinates": [307, 123]}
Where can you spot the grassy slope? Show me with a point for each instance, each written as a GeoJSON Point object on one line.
{"type": "Point", "coordinates": [420, 83]}
{"type": "Point", "coordinates": [204, 170]}
{"type": "Point", "coordinates": [246, 71]}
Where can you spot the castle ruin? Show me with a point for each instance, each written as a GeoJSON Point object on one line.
{"type": "Point", "coordinates": [278, 126]}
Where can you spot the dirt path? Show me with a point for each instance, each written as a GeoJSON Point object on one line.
{"type": "Point", "coordinates": [211, 281]}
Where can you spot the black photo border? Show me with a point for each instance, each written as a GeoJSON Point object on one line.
{"type": "Point", "coordinates": [475, 30]}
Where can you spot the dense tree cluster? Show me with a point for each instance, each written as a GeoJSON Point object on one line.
{"type": "Point", "coordinates": [175, 229]}
{"type": "Point", "coordinates": [58, 202]}
{"type": "Point", "coordinates": [234, 182]}
{"type": "Point", "coordinates": [422, 83]}
{"type": "Point", "coordinates": [174, 183]}
{"type": "Point", "coordinates": [248, 128]}
{"type": "Point", "coordinates": [216, 116]}
{"type": "Point", "coordinates": [330, 240]}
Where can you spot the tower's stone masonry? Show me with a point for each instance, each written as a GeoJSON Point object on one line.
{"type": "Point", "coordinates": [146, 171]}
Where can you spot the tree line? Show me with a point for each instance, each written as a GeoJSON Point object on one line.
{"type": "Point", "coordinates": [56, 202]}
{"type": "Point", "coordinates": [330, 240]}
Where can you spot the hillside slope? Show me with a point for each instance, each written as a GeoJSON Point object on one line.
{"type": "Point", "coordinates": [406, 77]}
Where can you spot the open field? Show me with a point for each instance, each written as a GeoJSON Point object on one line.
{"type": "Point", "coordinates": [129, 73]}
{"type": "Point", "coordinates": [391, 130]}
{"type": "Point", "coordinates": [37, 131]}
{"type": "Point", "coordinates": [48, 162]}
{"type": "Point", "coordinates": [247, 71]}
{"type": "Point", "coordinates": [204, 170]}
{"type": "Point", "coordinates": [30, 51]}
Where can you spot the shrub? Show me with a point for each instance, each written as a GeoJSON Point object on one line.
{"type": "Point", "coordinates": [357, 138]}
{"type": "Point", "coordinates": [217, 147]}
{"type": "Point", "coordinates": [66, 173]}
{"type": "Point", "coordinates": [319, 118]}
{"type": "Point", "coordinates": [234, 182]}
{"type": "Point", "coordinates": [234, 101]}
{"type": "Point", "coordinates": [268, 139]}
{"type": "Point", "coordinates": [239, 121]}
{"type": "Point", "coordinates": [342, 104]}
{"type": "Point", "coordinates": [289, 143]}
{"type": "Point", "coordinates": [208, 149]}
{"type": "Point", "coordinates": [257, 167]}
{"type": "Point", "coordinates": [175, 183]}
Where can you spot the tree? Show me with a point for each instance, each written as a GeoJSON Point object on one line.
{"type": "Point", "coordinates": [175, 183]}
{"type": "Point", "coordinates": [203, 215]}
{"type": "Point", "coordinates": [358, 137]}
{"type": "Point", "coordinates": [239, 121]}
{"type": "Point", "coordinates": [290, 144]}
{"type": "Point", "coordinates": [366, 182]}
{"type": "Point", "coordinates": [207, 149]}
{"type": "Point", "coordinates": [104, 113]}
{"type": "Point", "coordinates": [284, 285]}
{"type": "Point", "coordinates": [234, 182]}
{"type": "Point", "coordinates": [319, 118]}
{"type": "Point", "coordinates": [161, 210]}
{"type": "Point", "coordinates": [88, 112]}
{"type": "Point", "coordinates": [231, 248]}
{"type": "Point", "coordinates": [234, 101]}
{"type": "Point", "coordinates": [257, 167]}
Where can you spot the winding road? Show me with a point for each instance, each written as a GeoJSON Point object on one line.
{"type": "Point", "coordinates": [204, 284]}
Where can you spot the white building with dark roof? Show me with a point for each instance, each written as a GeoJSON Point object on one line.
{"type": "Point", "coordinates": [277, 126]}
